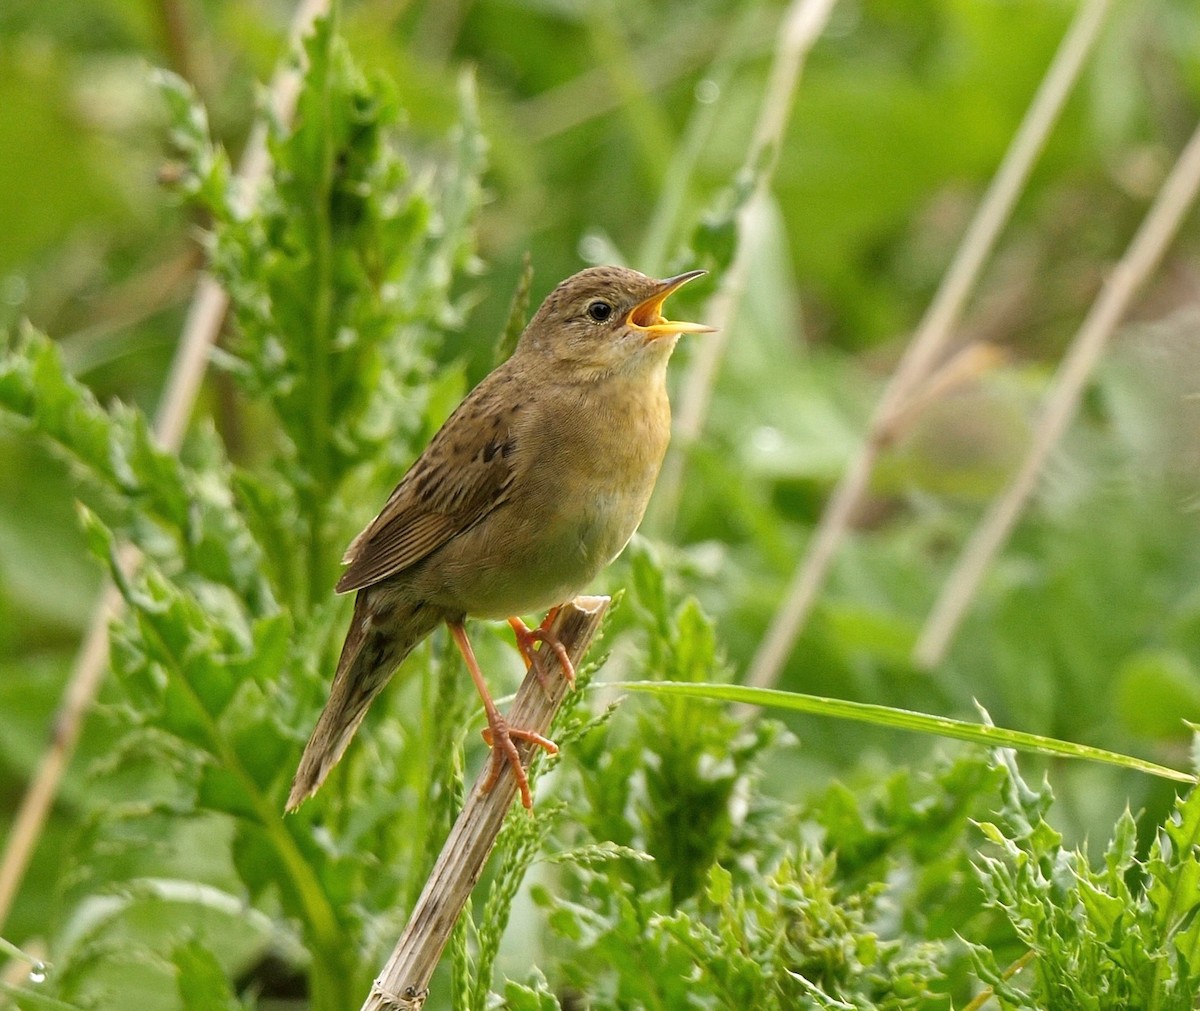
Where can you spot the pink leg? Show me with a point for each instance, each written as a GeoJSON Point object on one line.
{"type": "Point", "coordinates": [499, 735]}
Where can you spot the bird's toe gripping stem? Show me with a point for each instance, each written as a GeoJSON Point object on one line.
{"type": "Point", "coordinates": [528, 637]}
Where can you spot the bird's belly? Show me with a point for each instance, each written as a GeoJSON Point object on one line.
{"type": "Point", "coordinates": [544, 560]}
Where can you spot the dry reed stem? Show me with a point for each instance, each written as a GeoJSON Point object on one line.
{"type": "Point", "coordinates": [403, 984]}
{"type": "Point", "coordinates": [1157, 230]}
{"type": "Point", "coordinates": [929, 342]}
{"type": "Point", "coordinates": [200, 330]}
{"type": "Point", "coordinates": [802, 26]}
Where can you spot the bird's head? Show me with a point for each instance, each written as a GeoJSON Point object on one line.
{"type": "Point", "coordinates": [607, 320]}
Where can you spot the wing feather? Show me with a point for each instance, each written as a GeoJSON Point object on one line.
{"type": "Point", "coordinates": [464, 473]}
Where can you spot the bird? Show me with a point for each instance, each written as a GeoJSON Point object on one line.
{"type": "Point", "coordinates": [533, 485]}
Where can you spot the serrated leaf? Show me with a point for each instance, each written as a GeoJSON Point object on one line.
{"type": "Point", "coordinates": [534, 996]}
{"type": "Point", "coordinates": [720, 885]}
{"type": "Point", "coordinates": [159, 500]}
{"type": "Point", "coordinates": [694, 647]}
{"type": "Point", "coordinates": [1104, 911]}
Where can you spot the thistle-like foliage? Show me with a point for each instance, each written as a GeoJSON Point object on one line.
{"type": "Point", "coordinates": [1124, 934]}
{"type": "Point", "coordinates": [340, 278]}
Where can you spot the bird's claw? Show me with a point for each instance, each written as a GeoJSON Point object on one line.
{"type": "Point", "coordinates": [526, 638]}
{"type": "Point", "coordinates": [498, 736]}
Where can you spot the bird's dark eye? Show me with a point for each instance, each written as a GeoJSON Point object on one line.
{"type": "Point", "coordinates": [599, 310]}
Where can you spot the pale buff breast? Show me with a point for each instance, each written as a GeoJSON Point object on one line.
{"type": "Point", "coordinates": [589, 460]}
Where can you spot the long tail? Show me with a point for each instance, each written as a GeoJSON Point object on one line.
{"type": "Point", "coordinates": [378, 640]}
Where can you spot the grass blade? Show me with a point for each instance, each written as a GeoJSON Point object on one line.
{"type": "Point", "coordinates": [903, 719]}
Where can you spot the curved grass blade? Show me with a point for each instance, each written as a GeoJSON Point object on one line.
{"type": "Point", "coordinates": [903, 719]}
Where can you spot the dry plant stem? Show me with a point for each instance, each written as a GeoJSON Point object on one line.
{"type": "Point", "coordinates": [177, 38]}
{"type": "Point", "coordinates": [1144, 253]}
{"type": "Point", "coordinates": [64, 734]}
{"type": "Point", "coordinates": [134, 300]}
{"type": "Point", "coordinates": [961, 368]}
{"type": "Point", "coordinates": [802, 26]}
{"type": "Point", "coordinates": [404, 982]}
{"type": "Point", "coordinates": [203, 323]}
{"type": "Point", "coordinates": [929, 342]}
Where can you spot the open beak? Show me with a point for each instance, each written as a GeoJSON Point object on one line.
{"type": "Point", "coordinates": [647, 316]}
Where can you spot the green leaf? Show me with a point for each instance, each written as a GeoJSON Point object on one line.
{"type": "Point", "coordinates": [203, 985]}
{"type": "Point", "coordinates": [1133, 913]}
{"type": "Point", "coordinates": [1174, 867]}
{"type": "Point", "coordinates": [902, 719]}
{"type": "Point", "coordinates": [169, 511]}
{"type": "Point", "coordinates": [1157, 691]}
{"type": "Point", "coordinates": [221, 790]}
{"type": "Point", "coordinates": [205, 168]}
{"type": "Point", "coordinates": [534, 996]}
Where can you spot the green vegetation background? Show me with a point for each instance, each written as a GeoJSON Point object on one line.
{"type": "Point", "coordinates": [1087, 629]}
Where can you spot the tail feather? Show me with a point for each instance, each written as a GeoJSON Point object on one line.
{"type": "Point", "coordinates": [377, 642]}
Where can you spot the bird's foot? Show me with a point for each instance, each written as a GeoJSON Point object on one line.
{"type": "Point", "coordinates": [499, 737]}
{"type": "Point", "coordinates": [527, 637]}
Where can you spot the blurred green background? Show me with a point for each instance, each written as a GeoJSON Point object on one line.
{"type": "Point", "coordinates": [1087, 628]}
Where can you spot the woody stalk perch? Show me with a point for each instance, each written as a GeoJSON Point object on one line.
{"type": "Point", "coordinates": [403, 984]}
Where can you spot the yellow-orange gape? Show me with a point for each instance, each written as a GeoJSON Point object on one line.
{"type": "Point", "coordinates": [532, 486]}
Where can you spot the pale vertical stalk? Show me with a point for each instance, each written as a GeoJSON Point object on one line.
{"type": "Point", "coordinates": [802, 26]}
{"type": "Point", "coordinates": [403, 984]}
{"type": "Point", "coordinates": [1173, 201]}
{"type": "Point", "coordinates": [930, 339]}
{"type": "Point", "coordinates": [200, 330]}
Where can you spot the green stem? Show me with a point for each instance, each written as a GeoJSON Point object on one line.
{"type": "Point", "coordinates": [651, 129]}
{"type": "Point", "coordinates": [321, 342]}
{"type": "Point", "coordinates": [12, 951]}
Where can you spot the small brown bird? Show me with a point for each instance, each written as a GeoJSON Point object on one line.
{"type": "Point", "coordinates": [534, 484]}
